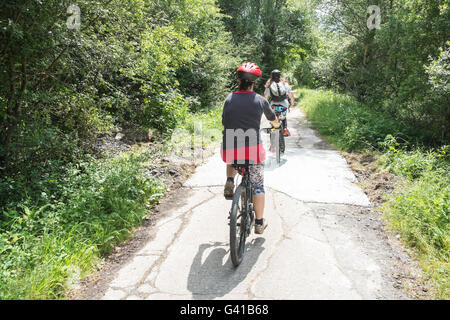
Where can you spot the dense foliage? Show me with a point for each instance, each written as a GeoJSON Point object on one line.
{"type": "Point", "coordinates": [142, 63]}
{"type": "Point", "coordinates": [166, 65]}
{"type": "Point", "coordinates": [420, 207]}
{"type": "Point", "coordinates": [400, 69]}
{"type": "Point", "coordinates": [273, 34]}
{"type": "Point", "coordinates": [80, 214]}
{"type": "Point", "coordinates": [131, 64]}
{"type": "Point", "coordinates": [347, 123]}
{"type": "Point", "coordinates": [395, 101]}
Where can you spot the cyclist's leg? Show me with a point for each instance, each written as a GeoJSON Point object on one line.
{"type": "Point", "coordinates": [272, 143]}
{"type": "Point", "coordinates": [286, 130]}
{"type": "Point", "coordinates": [231, 172]}
{"type": "Point", "coordinates": [257, 179]}
{"type": "Point", "coordinates": [229, 185]}
{"type": "Point", "coordinates": [258, 204]}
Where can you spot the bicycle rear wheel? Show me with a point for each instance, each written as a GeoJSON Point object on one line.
{"type": "Point", "coordinates": [238, 221]}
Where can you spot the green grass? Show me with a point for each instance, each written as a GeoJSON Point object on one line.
{"type": "Point", "coordinates": [418, 209]}
{"type": "Point", "coordinates": [199, 130]}
{"type": "Point", "coordinates": [75, 221]}
{"type": "Point", "coordinates": [346, 123]}
{"type": "Point", "coordinates": [211, 119]}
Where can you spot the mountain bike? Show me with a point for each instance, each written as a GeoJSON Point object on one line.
{"type": "Point", "coordinates": [242, 215]}
{"type": "Point", "coordinates": [281, 112]}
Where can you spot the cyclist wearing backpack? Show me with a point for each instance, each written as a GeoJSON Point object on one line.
{"type": "Point", "coordinates": [241, 118]}
{"type": "Point", "coordinates": [279, 92]}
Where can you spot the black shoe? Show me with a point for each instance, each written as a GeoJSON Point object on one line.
{"type": "Point", "coordinates": [228, 191]}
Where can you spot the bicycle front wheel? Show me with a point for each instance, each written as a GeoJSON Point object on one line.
{"type": "Point", "coordinates": [238, 232]}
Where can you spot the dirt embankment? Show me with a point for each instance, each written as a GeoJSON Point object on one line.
{"type": "Point", "coordinates": [376, 183]}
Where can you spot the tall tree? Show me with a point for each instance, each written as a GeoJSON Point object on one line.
{"type": "Point", "coordinates": [265, 31]}
{"type": "Point", "coordinates": [386, 67]}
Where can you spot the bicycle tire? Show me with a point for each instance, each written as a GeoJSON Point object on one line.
{"type": "Point", "coordinates": [238, 234]}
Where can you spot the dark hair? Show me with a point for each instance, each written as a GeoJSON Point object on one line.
{"type": "Point", "coordinates": [245, 84]}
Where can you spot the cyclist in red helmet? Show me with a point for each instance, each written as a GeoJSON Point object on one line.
{"type": "Point", "coordinates": [241, 120]}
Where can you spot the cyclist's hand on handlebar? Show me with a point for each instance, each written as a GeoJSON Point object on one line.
{"type": "Point", "coordinates": [276, 126]}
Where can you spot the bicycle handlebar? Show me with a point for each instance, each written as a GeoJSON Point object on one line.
{"type": "Point", "coordinates": [269, 130]}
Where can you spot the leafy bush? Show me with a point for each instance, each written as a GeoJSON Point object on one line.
{"type": "Point", "coordinates": [420, 208]}
{"type": "Point", "coordinates": [401, 68]}
{"type": "Point", "coordinates": [96, 205]}
{"type": "Point", "coordinates": [164, 112]}
{"type": "Point", "coordinates": [439, 71]}
{"type": "Point", "coordinates": [37, 146]}
{"type": "Point", "coordinates": [421, 213]}
{"type": "Point", "coordinates": [413, 164]}
{"type": "Point", "coordinates": [133, 63]}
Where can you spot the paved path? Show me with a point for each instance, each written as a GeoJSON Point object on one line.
{"type": "Point", "coordinates": [317, 246]}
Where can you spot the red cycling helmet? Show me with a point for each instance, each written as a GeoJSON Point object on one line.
{"type": "Point", "coordinates": [249, 71]}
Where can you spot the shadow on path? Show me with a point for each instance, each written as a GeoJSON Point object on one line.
{"type": "Point", "coordinates": [215, 278]}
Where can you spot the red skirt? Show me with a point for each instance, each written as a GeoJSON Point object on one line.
{"type": "Point", "coordinates": [255, 154]}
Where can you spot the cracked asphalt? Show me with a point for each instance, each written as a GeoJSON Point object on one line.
{"type": "Point", "coordinates": [319, 243]}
